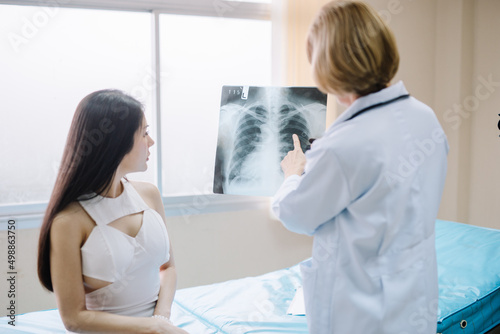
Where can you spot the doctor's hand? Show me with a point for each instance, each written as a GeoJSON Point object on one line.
{"type": "Point", "coordinates": [294, 161]}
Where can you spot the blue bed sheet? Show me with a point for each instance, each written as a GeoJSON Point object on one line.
{"type": "Point", "coordinates": [248, 305]}
{"type": "Point", "coordinates": [469, 278]}
{"type": "Point", "coordinates": [469, 289]}
{"type": "Point", "coordinates": [49, 322]}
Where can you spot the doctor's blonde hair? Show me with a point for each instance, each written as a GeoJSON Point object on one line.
{"type": "Point", "coordinates": [351, 49]}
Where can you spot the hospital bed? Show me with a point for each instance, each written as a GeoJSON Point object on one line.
{"type": "Point", "coordinates": [469, 294]}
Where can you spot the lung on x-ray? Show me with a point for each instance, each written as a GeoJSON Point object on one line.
{"type": "Point", "coordinates": [255, 133]}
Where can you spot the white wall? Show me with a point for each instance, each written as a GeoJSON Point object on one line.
{"type": "Point", "coordinates": [467, 55]}
{"type": "Point", "coordinates": [221, 246]}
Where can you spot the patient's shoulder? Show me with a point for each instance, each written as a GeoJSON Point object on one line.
{"type": "Point", "coordinates": [71, 213]}
{"type": "Point", "coordinates": [148, 191]}
{"type": "Point", "coordinates": [73, 222]}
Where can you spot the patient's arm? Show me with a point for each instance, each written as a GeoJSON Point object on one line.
{"type": "Point", "coordinates": [168, 275]}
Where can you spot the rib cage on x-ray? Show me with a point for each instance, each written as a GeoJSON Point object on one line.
{"type": "Point", "coordinates": [255, 133]}
{"type": "Point", "coordinates": [248, 138]}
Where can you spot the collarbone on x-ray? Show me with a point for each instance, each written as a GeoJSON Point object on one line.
{"type": "Point", "coordinates": [256, 125]}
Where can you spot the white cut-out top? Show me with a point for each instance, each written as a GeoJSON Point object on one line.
{"type": "Point", "coordinates": [130, 263]}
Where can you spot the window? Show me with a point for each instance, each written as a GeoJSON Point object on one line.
{"type": "Point", "coordinates": [210, 52]}
{"type": "Point", "coordinates": [51, 59]}
{"type": "Point", "coordinates": [53, 56]}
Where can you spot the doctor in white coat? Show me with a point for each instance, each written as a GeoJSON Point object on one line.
{"type": "Point", "coordinates": [369, 189]}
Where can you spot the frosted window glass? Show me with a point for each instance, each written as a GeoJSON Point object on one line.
{"type": "Point", "coordinates": [198, 56]}
{"type": "Point", "coordinates": [50, 58]}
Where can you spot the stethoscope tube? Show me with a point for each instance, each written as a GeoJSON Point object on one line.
{"type": "Point", "coordinates": [362, 111]}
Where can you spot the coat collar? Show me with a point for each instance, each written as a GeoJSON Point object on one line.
{"type": "Point", "coordinates": [383, 95]}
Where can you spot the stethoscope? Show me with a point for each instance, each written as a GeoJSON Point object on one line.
{"type": "Point", "coordinates": [362, 111]}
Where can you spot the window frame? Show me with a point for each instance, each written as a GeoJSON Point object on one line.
{"type": "Point", "coordinates": [31, 214]}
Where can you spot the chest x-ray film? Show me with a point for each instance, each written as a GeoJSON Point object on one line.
{"type": "Point", "coordinates": [255, 133]}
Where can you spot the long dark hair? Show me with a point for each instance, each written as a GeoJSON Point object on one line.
{"type": "Point", "coordinates": [101, 134]}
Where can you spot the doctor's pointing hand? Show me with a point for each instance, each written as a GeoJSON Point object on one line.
{"type": "Point", "coordinates": [294, 161]}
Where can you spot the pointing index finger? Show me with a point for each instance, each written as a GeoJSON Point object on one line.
{"type": "Point", "coordinates": [296, 142]}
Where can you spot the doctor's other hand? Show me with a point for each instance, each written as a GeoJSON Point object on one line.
{"type": "Point", "coordinates": [294, 161]}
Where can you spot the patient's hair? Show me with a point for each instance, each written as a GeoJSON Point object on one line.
{"type": "Point", "coordinates": [101, 134]}
{"type": "Point", "coordinates": [351, 49]}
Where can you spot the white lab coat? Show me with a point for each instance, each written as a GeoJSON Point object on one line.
{"type": "Point", "coordinates": [370, 196]}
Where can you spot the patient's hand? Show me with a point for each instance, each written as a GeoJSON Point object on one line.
{"type": "Point", "coordinates": [177, 330]}
{"type": "Point", "coordinates": [165, 327]}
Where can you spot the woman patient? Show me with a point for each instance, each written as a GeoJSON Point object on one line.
{"type": "Point", "coordinates": [104, 249]}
